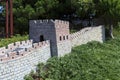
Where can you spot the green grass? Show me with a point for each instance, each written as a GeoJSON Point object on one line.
{"type": "Point", "coordinates": [92, 61]}
{"type": "Point", "coordinates": [5, 42]}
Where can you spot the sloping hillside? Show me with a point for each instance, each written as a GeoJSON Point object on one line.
{"type": "Point", "coordinates": [92, 61]}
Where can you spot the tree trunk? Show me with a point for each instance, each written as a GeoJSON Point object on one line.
{"type": "Point", "coordinates": [111, 31]}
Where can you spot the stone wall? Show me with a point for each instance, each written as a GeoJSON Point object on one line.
{"type": "Point", "coordinates": [46, 29]}
{"type": "Point", "coordinates": [62, 37]}
{"type": "Point", "coordinates": [18, 64]}
{"type": "Point", "coordinates": [56, 31]}
{"type": "Point", "coordinates": [88, 34]}
{"type": "Point", "coordinates": [42, 27]}
{"type": "Point", "coordinates": [64, 48]}
{"type": "Point", "coordinates": [19, 58]}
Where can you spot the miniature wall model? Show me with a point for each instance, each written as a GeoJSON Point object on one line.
{"type": "Point", "coordinates": [49, 38]}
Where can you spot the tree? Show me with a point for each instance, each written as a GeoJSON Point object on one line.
{"type": "Point", "coordinates": [109, 10]}
{"type": "Point", "coordinates": [67, 8]}
{"type": "Point", "coordinates": [84, 8]}
{"type": "Point", "coordinates": [55, 8]}
{"type": "Point", "coordinates": [22, 13]}
{"type": "Point", "coordinates": [46, 8]}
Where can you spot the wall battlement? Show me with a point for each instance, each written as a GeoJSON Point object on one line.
{"type": "Point", "coordinates": [88, 34]}
{"type": "Point", "coordinates": [44, 21]}
{"type": "Point", "coordinates": [15, 45]}
{"type": "Point", "coordinates": [81, 32]}
{"type": "Point", "coordinates": [19, 49]}
{"type": "Point", "coordinates": [61, 22]}
{"type": "Point", "coordinates": [15, 63]}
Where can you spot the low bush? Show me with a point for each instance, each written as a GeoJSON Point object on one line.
{"type": "Point", "coordinates": [6, 41]}
{"type": "Point", "coordinates": [92, 61]}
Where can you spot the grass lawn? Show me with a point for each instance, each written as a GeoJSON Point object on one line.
{"type": "Point", "coordinates": [5, 42]}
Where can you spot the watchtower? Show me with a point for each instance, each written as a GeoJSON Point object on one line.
{"type": "Point", "coordinates": [57, 31]}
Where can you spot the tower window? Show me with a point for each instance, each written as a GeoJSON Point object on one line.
{"type": "Point", "coordinates": [63, 37]}
{"type": "Point", "coordinates": [60, 38]}
{"type": "Point", "coordinates": [67, 36]}
{"type": "Point", "coordinates": [41, 38]}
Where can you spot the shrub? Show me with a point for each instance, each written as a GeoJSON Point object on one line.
{"type": "Point", "coordinates": [5, 42]}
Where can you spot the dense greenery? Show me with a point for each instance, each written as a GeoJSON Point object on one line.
{"type": "Point", "coordinates": [92, 61]}
{"type": "Point", "coordinates": [5, 42]}
{"type": "Point", "coordinates": [110, 11]}
{"type": "Point", "coordinates": [25, 10]}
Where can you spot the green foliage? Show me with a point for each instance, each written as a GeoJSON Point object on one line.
{"type": "Point", "coordinates": [24, 10]}
{"type": "Point", "coordinates": [116, 30]}
{"type": "Point", "coordinates": [5, 42]}
{"type": "Point", "coordinates": [43, 7]}
{"type": "Point", "coordinates": [30, 76]}
{"type": "Point", "coordinates": [91, 61]}
{"type": "Point", "coordinates": [22, 13]}
{"type": "Point", "coordinates": [39, 9]}
{"type": "Point", "coordinates": [109, 10]}
{"type": "Point", "coordinates": [73, 31]}
{"type": "Point", "coordinates": [85, 8]}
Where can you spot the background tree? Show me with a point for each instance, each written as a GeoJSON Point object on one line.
{"type": "Point", "coordinates": [109, 10]}
{"type": "Point", "coordinates": [64, 9]}
{"type": "Point", "coordinates": [85, 8]}
{"type": "Point", "coordinates": [67, 8]}
{"type": "Point", "coordinates": [46, 9]}
{"type": "Point", "coordinates": [22, 13]}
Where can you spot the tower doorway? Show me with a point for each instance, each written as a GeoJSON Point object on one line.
{"type": "Point", "coordinates": [41, 38]}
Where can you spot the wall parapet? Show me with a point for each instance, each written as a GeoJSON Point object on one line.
{"type": "Point", "coordinates": [20, 49]}
{"type": "Point", "coordinates": [47, 21]}
{"type": "Point", "coordinates": [88, 34]}
{"type": "Point", "coordinates": [22, 57]}
{"type": "Point", "coordinates": [81, 32]}
{"type": "Point", "coordinates": [61, 22]}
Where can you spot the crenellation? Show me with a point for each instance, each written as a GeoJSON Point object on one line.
{"type": "Point", "coordinates": [28, 42]}
{"type": "Point", "coordinates": [23, 43]}
{"type": "Point", "coordinates": [88, 34]}
{"type": "Point", "coordinates": [44, 43]}
{"type": "Point", "coordinates": [11, 46]}
{"type": "Point", "coordinates": [40, 44]}
{"type": "Point", "coordinates": [40, 21]}
{"type": "Point", "coordinates": [47, 42]}
{"type": "Point", "coordinates": [36, 45]}
{"type": "Point", "coordinates": [81, 32]}
{"type": "Point", "coordinates": [44, 21]}
{"type": "Point", "coordinates": [13, 54]}
{"type": "Point", "coordinates": [3, 56]}
{"type": "Point", "coordinates": [3, 50]}
{"type": "Point", "coordinates": [17, 44]}
{"type": "Point", "coordinates": [29, 49]}
{"type": "Point", "coordinates": [62, 23]}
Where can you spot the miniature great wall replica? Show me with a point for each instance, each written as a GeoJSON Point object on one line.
{"type": "Point", "coordinates": [48, 38]}
{"type": "Point", "coordinates": [19, 49]}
